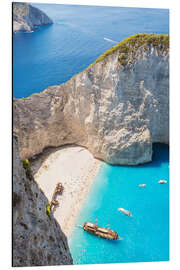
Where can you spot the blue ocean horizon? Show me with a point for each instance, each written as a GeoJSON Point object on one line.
{"type": "Point", "coordinates": [52, 55]}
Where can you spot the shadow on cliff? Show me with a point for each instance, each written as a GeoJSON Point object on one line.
{"type": "Point", "coordinates": [37, 161]}
{"type": "Point", "coordinates": [57, 242]}
{"type": "Point", "coordinates": [37, 238]}
{"type": "Point", "coordinates": [160, 155]}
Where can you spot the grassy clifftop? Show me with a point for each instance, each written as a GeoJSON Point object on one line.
{"type": "Point", "coordinates": [20, 9]}
{"type": "Point", "coordinates": [134, 42]}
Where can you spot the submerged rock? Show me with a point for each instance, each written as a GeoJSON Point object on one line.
{"type": "Point", "coordinates": [37, 237]}
{"type": "Point", "coordinates": [27, 17]}
{"type": "Point", "coordinates": [117, 108]}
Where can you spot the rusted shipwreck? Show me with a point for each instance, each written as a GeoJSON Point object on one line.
{"type": "Point", "coordinates": [100, 231]}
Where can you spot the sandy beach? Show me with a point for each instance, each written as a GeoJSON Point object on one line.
{"type": "Point", "coordinates": [75, 168]}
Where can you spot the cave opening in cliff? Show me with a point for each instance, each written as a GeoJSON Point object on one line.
{"type": "Point", "coordinates": [160, 153]}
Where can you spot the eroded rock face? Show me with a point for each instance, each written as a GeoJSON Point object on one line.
{"type": "Point", "coordinates": [117, 111]}
{"type": "Point", "coordinates": [37, 238]}
{"type": "Point", "coordinates": [27, 17]}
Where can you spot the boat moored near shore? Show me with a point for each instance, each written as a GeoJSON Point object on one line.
{"type": "Point", "coordinates": [100, 231]}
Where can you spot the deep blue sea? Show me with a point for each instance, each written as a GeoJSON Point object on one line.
{"type": "Point", "coordinates": [53, 54]}
{"type": "Point", "coordinates": [145, 234]}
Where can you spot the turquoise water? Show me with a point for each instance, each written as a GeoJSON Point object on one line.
{"type": "Point", "coordinates": [146, 233]}
{"type": "Point", "coordinates": [54, 53]}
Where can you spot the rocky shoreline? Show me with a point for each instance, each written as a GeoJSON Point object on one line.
{"type": "Point", "coordinates": [26, 17]}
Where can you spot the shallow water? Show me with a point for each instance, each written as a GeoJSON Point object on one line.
{"type": "Point", "coordinates": [54, 53]}
{"type": "Point", "coordinates": [145, 234]}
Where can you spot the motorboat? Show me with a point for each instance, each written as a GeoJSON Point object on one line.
{"type": "Point", "coordinates": [124, 211]}
{"type": "Point", "coordinates": [162, 181]}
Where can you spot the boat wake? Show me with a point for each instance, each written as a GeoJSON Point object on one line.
{"type": "Point", "coordinates": [110, 40]}
{"type": "Point", "coordinates": [28, 32]}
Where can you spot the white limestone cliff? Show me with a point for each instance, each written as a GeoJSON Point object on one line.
{"type": "Point", "coordinates": [117, 108]}
{"type": "Point", "coordinates": [27, 17]}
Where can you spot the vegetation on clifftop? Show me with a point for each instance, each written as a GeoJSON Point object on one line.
{"type": "Point", "coordinates": [125, 47]}
{"type": "Point", "coordinates": [20, 9]}
{"type": "Point", "coordinates": [132, 43]}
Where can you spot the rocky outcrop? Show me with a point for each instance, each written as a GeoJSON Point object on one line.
{"type": "Point", "coordinates": [117, 108]}
{"type": "Point", "coordinates": [37, 237]}
{"type": "Point", "coordinates": [27, 17]}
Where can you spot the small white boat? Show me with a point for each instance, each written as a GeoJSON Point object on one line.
{"type": "Point", "coordinates": [142, 185]}
{"type": "Point", "coordinates": [162, 181]}
{"type": "Point", "coordinates": [124, 211]}
{"type": "Point", "coordinates": [110, 40]}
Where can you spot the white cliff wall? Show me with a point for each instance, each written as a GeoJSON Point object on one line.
{"type": "Point", "coordinates": [116, 110]}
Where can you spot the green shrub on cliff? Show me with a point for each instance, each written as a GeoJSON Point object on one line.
{"type": "Point", "coordinates": [26, 164]}
{"type": "Point", "coordinates": [20, 9]}
{"type": "Point", "coordinates": [27, 167]}
{"type": "Point", "coordinates": [48, 209]}
{"type": "Point", "coordinates": [132, 43]}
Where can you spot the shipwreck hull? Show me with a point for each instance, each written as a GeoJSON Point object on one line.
{"type": "Point", "coordinates": [100, 231]}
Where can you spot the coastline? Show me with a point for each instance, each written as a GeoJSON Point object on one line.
{"type": "Point", "coordinates": [76, 169]}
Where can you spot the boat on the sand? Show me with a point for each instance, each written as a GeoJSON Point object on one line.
{"type": "Point", "coordinates": [100, 231]}
{"type": "Point", "coordinates": [124, 211]}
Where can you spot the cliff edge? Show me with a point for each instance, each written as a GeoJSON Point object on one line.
{"type": "Point", "coordinates": [27, 17]}
{"type": "Point", "coordinates": [117, 108]}
{"type": "Point", "coordinates": [37, 237]}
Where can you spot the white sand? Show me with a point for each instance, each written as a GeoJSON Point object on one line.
{"type": "Point", "coordinates": [75, 168]}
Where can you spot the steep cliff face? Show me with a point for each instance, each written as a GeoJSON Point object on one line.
{"type": "Point", "coordinates": [37, 238]}
{"type": "Point", "coordinates": [26, 17]}
{"type": "Point", "coordinates": [117, 108]}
